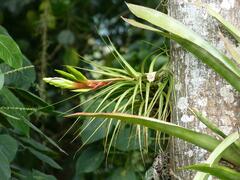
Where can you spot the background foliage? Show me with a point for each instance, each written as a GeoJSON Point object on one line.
{"type": "Point", "coordinates": [49, 33]}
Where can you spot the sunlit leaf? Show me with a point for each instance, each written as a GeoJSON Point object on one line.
{"type": "Point", "coordinates": [189, 40]}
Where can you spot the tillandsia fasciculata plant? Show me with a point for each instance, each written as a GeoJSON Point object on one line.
{"type": "Point", "coordinates": [124, 90]}
{"type": "Point", "coordinates": [229, 148]}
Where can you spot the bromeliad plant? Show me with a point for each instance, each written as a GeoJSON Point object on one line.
{"type": "Point", "coordinates": [123, 90]}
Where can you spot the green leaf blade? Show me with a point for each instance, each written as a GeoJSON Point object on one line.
{"type": "Point", "coordinates": [202, 140]}
{"type": "Point", "coordinates": [10, 52]}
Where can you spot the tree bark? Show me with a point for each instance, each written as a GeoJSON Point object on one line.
{"type": "Point", "coordinates": [197, 86]}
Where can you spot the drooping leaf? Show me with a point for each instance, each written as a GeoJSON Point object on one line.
{"type": "Point", "coordinates": [221, 172]}
{"type": "Point", "coordinates": [8, 146]}
{"type": "Point", "coordinates": [36, 145]}
{"type": "Point", "coordinates": [32, 126]}
{"type": "Point", "coordinates": [10, 52]}
{"type": "Point", "coordinates": [202, 140]}
{"type": "Point", "coordinates": [189, 40]}
{"type": "Point", "coordinates": [5, 170]}
{"type": "Point", "coordinates": [44, 158]}
{"type": "Point", "coordinates": [89, 160]}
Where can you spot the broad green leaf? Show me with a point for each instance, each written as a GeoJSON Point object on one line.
{"type": "Point", "coordinates": [202, 140]}
{"type": "Point", "coordinates": [10, 52]}
{"type": "Point", "coordinates": [22, 77]}
{"type": "Point", "coordinates": [5, 171]}
{"type": "Point", "coordinates": [189, 40]}
{"type": "Point", "coordinates": [89, 160]}
{"type": "Point", "coordinates": [215, 156]}
{"type": "Point", "coordinates": [221, 172]}
{"type": "Point", "coordinates": [3, 31]}
{"type": "Point", "coordinates": [123, 174]}
{"type": "Point", "coordinates": [1, 79]}
{"type": "Point", "coordinates": [15, 108]}
{"type": "Point", "coordinates": [44, 158]}
{"type": "Point", "coordinates": [8, 146]}
{"type": "Point", "coordinates": [232, 29]}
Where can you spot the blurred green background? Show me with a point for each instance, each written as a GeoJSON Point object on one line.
{"type": "Point", "coordinates": [49, 34]}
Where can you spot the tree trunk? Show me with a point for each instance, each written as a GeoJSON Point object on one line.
{"type": "Point", "coordinates": [197, 85]}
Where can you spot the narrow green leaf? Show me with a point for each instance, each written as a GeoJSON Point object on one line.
{"type": "Point", "coordinates": [232, 29]}
{"type": "Point", "coordinates": [66, 75]}
{"type": "Point", "coordinates": [231, 48]}
{"type": "Point", "coordinates": [208, 123]}
{"type": "Point", "coordinates": [202, 140]}
{"type": "Point", "coordinates": [216, 155]}
{"type": "Point", "coordinates": [34, 144]}
{"type": "Point", "coordinates": [190, 41]}
{"type": "Point", "coordinates": [127, 66]}
{"type": "Point", "coordinates": [221, 172]}
{"type": "Point", "coordinates": [78, 75]}
{"type": "Point", "coordinates": [32, 126]}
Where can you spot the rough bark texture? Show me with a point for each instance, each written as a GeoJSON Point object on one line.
{"type": "Point", "coordinates": [197, 85]}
